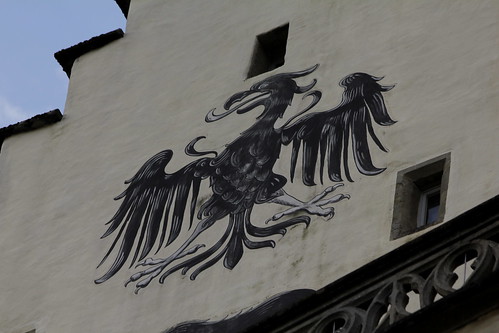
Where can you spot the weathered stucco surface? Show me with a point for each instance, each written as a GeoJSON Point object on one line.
{"type": "Point", "coordinates": [151, 90]}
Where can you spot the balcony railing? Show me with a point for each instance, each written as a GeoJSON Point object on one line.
{"type": "Point", "coordinates": [438, 282]}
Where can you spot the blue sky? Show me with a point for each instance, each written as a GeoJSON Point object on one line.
{"type": "Point", "coordinates": [31, 31]}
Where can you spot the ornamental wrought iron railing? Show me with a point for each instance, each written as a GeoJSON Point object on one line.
{"type": "Point", "coordinates": [438, 282]}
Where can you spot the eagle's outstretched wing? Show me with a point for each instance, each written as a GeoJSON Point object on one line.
{"type": "Point", "coordinates": [145, 210]}
{"type": "Point", "coordinates": [325, 136]}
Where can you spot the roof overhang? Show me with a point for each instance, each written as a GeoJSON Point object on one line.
{"type": "Point", "coordinates": [67, 57]}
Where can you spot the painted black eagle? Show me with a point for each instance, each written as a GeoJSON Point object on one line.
{"type": "Point", "coordinates": [152, 212]}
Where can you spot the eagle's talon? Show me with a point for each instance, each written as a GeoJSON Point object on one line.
{"type": "Point", "coordinates": [192, 250]}
{"type": "Point", "coordinates": [316, 206]}
{"type": "Point", "coordinates": [324, 193]}
{"type": "Point", "coordinates": [144, 283]}
{"type": "Point", "coordinates": [149, 262]}
{"type": "Point", "coordinates": [276, 217]}
{"type": "Point", "coordinates": [332, 200]}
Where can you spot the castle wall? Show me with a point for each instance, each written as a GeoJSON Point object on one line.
{"type": "Point", "coordinates": [151, 90]}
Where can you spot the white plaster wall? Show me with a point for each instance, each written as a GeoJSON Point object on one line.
{"type": "Point", "coordinates": [150, 91]}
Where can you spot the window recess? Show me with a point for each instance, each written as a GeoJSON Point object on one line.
{"type": "Point", "coordinates": [420, 196]}
{"type": "Point", "coordinates": [269, 51]}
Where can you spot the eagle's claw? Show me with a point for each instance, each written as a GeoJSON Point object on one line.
{"type": "Point", "coordinates": [158, 266]}
{"type": "Point", "coordinates": [315, 206]}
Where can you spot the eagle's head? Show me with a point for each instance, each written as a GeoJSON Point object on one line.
{"type": "Point", "coordinates": [272, 92]}
{"type": "Point", "coordinates": [365, 87]}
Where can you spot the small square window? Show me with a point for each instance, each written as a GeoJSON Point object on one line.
{"type": "Point", "coordinates": [420, 196]}
{"type": "Point", "coordinates": [269, 51]}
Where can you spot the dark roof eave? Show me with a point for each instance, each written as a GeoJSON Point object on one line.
{"type": "Point", "coordinates": [67, 57]}
{"type": "Point", "coordinates": [124, 6]}
{"type": "Point", "coordinates": [30, 124]}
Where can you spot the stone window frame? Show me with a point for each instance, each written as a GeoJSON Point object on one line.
{"type": "Point", "coordinates": [412, 183]}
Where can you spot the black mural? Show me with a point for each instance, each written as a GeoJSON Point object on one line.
{"type": "Point", "coordinates": [152, 210]}
{"type": "Point", "coordinates": [240, 322]}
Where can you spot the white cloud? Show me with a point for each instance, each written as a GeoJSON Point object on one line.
{"type": "Point", "coordinates": [10, 114]}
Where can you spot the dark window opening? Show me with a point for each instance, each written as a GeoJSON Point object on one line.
{"type": "Point", "coordinates": [420, 196]}
{"type": "Point", "coordinates": [269, 51]}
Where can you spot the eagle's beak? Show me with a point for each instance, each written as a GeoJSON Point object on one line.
{"type": "Point", "coordinates": [237, 98]}
{"type": "Point", "coordinates": [246, 103]}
